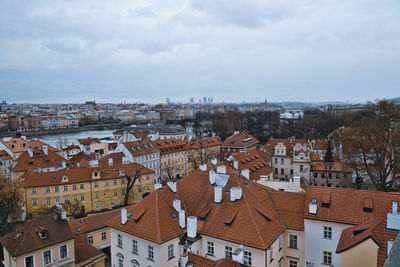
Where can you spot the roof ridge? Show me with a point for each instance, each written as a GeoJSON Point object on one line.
{"type": "Point", "coordinates": [252, 217]}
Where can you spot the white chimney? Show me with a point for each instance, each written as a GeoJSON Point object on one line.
{"type": "Point", "coordinates": [63, 215]}
{"type": "Point", "coordinates": [45, 149]}
{"type": "Point", "coordinates": [246, 173]}
{"type": "Point", "coordinates": [221, 169]}
{"type": "Point", "coordinates": [192, 227]}
{"type": "Point", "coordinates": [238, 254]}
{"type": "Point", "coordinates": [64, 164]}
{"type": "Point", "coordinates": [78, 164]}
{"type": "Point", "coordinates": [236, 164]}
{"type": "Point", "coordinates": [30, 151]}
{"type": "Point", "coordinates": [393, 217]}
{"type": "Point", "coordinates": [172, 186]}
{"type": "Point", "coordinates": [182, 218]}
{"type": "Point", "coordinates": [125, 160]}
{"type": "Point", "coordinates": [110, 162]}
{"type": "Point", "coordinates": [157, 186]}
{"type": "Point", "coordinates": [39, 169]}
{"type": "Point", "coordinates": [183, 260]}
{"type": "Point", "coordinates": [124, 216]}
{"type": "Point", "coordinates": [176, 203]}
{"type": "Point", "coordinates": [214, 161]}
{"type": "Point", "coordinates": [236, 193]}
{"type": "Point", "coordinates": [203, 167]}
{"type": "Point", "coordinates": [93, 163]}
{"type": "Point", "coordinates": [312, 207]}
{"type": "Point", "coordinates": [236, 132]}
{"type": "Point", "coordinates": [217, 194]}
{"type": "Point", "coordinates": [211, 177]}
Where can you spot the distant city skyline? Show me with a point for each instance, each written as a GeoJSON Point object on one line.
{"type": "Point", "coordinates": [147, 51]}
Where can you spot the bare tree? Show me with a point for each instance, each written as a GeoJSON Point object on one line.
{"type": "Point", "coordinates": [11, 201]}
{"type": "Point", "coordinates": [131, 179]}
{"type": "Point", "coordinates": [372, 145]}
{"type": "Point", "coordinates": [72, 208]}
{"type": "Point", "coordinates": [168, 173]}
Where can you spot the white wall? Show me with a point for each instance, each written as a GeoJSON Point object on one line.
{"type": "Point", "coordinates": [315, 244]}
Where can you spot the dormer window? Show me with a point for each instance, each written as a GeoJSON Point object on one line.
{"type": "Point", "coordinates": [42, 233]}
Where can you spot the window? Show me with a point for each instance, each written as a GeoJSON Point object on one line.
{"type": "Point", "coordinates": [103, 236]}
{"type": "Point", "coordinates": [123, 192]}
{"type": "Point", "coordinates": [75, 198]}
{"type": "Point", "coordinates": [47, 189]}
{"type": "Point", "coordinates": [29, 261]}
{"type": "Point", "coordinates": [120, 263]}
{"type": "Point", "coordinates": [96, 194]}
{"type": "Point", "coordinates": [293, 263]}
{"type": "Point", "coordinates": [122, 181]}
{"type": "Point", "coordinates": [66, 200]}
{"type": "Point", "coordinates": [134, 247]}
{"type": "Point", "coordinates": [34, 202]}
{"type": "Point", "coordinates": [292, 241]}
{"type": "Point", "coordinates": [48, 201]}
{"type": "Point", "coordinates": [248, 258]}
{"type": "Point", "coordinates": [150, 252]}
{"type": "Point", "coordinates": [327, 232]}
{"type": "Point", "coordinates": [276, 170]}
{"type": "Point", "coordinates": [276, 161]}
{"type": "Point", "coordinates": [97, 206]}
{"type": "Point", "coordinates": [34, 191]}
{"type": "Point", "coordinates": [119, 240]}
{"type": "Point", "coordinates": [65, 187]}
{"type": "Point", "coordinates": [301, 168]}
{"type": "Point", "coordinates": [112, 203]}
{"type": "Point", "coordinates": [63, 252]}
{"type": "Point", "coordinates": [74, 187]}
{"type": "Point", "coordinates": [46, 257]}
{"type": "Point", "coordinates": [282, 161]}
{"type": "Point", "coordinates": [82, 197]}
{"type": "Point", "coordinates": [282, 171]}
{"type": "Point", "coordinates": [106, 183]}
{"type": "Point", "coordinates": [228, 252]}
{"type": "Point", "coordinates": [96, 184]}
{"type": "Point", "coordinates": [327, 257]}
{"type": "Point", "coordinates": [90, 239]}
{"type": "Point", "coordinates": [115, 193]}
{"type": "Point", "coordinates": [115, 182]}
{"type": "Point", "coordinates": [210, 248]}
{"type": "Point", "coordinates": [82, 186]}
{"type": "Point", "coordinates": [56, 189]}
{"type": "Point", "coordinates": [171, 251]}
{"type": "Point", "coordinates": [57, 200]}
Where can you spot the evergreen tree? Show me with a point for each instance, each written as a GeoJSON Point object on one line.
{"type": "Point", "coordinates": [328, 154]}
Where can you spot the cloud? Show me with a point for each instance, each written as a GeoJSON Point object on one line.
{"type": "Point", "coordinates": [277, 50]}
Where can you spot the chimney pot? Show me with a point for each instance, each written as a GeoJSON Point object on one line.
{"type": "Point", "coordinates": [246, 173]}
{"type": "Point", "coordinates": [192, 227]}
{"type": "Point", "coordinates": [217, 194]}
{"type": "Point", "coordinates": [221, 169]}
{"type": "Point", "coordinates": [236, 164]}
{"type": "Point", "coordinates": [214, 161]}
{"type": "Point", "coordinates": [124, 216]}
{"type": "Point", "coordinates": [182, 218]}
{"type": "Point", "coordinates": [172, 186]}
{"type": "Point", "coordinates": [176, 203]}
{"type": "Point", "coordinates": [203, 167]}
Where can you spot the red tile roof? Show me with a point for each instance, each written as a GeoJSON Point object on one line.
{"type": "Point", "coordinates": [93, 222]}
{"type": "Point", "coordinates": [336, 167]}
{"type": "Point", "coordinates": [289, 143]}
{"type": "Point", "coordinates": [84, 251]}
{"type": "Point", "coordinates": [241, 140]}
{"type": "Point", "coordinates": [116, 157]}
{"type": "Point", "coordinates": [39, 159]}
{"type": "Point", "coordinates": [4, 155]}
{"type": "Point", "coordinates": [197, 143]}
{"type": "Point", "coordinates": [347, 205]}
{"type": "Point", "coordinates": [200, 261]}
{"type": "Point", "coordinates": [26, 239]}
{"type": "Point", "coordinates": [17, 145]}
{"type": "Point", "coordinates": [88, 141]}
{"type": "Point", "coordinates": [141, 147]}
{"type": "Point", "coordinates": [80, 174]}
{"type": "Point", "coordinates": [171, 145]}
{"type": "Point", "coordinates": [255, 160]}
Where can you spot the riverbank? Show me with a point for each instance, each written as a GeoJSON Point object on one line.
{"type": "Point", "coordinates": [38, 133]}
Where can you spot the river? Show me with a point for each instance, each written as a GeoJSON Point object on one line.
{"type": "Point", "coordinates": [72, 138]}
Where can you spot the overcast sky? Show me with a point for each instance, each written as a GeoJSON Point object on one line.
{"type": "Point", "coordinates": [233, 50]}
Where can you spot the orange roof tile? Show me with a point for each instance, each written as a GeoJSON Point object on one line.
{"type": "Point", "coordinates": [88, 141]}
{"type": "Point", "coordinates": [17, 145]}
{"type": "Point", "coordinates": [141, 147]}
{"type": "Point", "coordinates": [336, 167]}
{"type": "Point", "coordinates": [39, 159]}
{"type": "Point", "coordinates": [171, 145]}
{"type": "Point", "coordinates": [93, 221]}
{"type": "Point", "coordinates": [240, 140]}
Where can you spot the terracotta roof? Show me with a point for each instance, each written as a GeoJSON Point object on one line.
{"type": "Point", "coordinates": [39, 159]}
{"type": "Point", "coordinates": [320, 145]}
{"type": "Point", "coordinates": [315, 156]}
{"type": "Point", "coordinates": [84, 251]}
{"type": "Point", "coordinates": [256, 223]}
{"type": "Point", "coordinates": [255, 160]}
{"type": "Point", "coordinates": [336, 167]}
{"type": "Point", "coordinates": [93, 222]}
{"type": "Point", "coordinates": [4, 155]}
{"type": "Point", "coordinates": [116, 157]}
{"type": "Point", "coordinates": [17, 145]}
{"type": "Point", "coordinates": [349, 206]}
{"type": "Point", "coordinates": [83, 159]}
{"type": "Point", "coordinates": [88, 141]}
{"type": "Point", "coordinates": [200, 261]}
{"type": "Point", "coordinates": [197, 143]}
{"type": "Point", "coordinates": [26, 239]}
{"type": "Point", "coordinates": [240, 140]}
{"type": "Point", "coordinates": [290, 207]}
{"type": "Point", "coordinates": [376, 230]}
{"type": "Point", "coordinates": [170, 145]}
{"type": "Point", "coordinates": [80, 174]}
{"type": "Point", "coordinates": [141, 147]}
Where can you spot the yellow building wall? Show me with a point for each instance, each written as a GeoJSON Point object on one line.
{"type": "Point", "coordinates": [364, 254]}
{"type": "Point", "coordinates": [176, 163]}
{"type": "Point", "coordinates": [38, 256]}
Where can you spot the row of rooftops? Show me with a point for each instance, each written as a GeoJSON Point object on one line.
{"type": "Point", "coordinates": [228, 206]}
